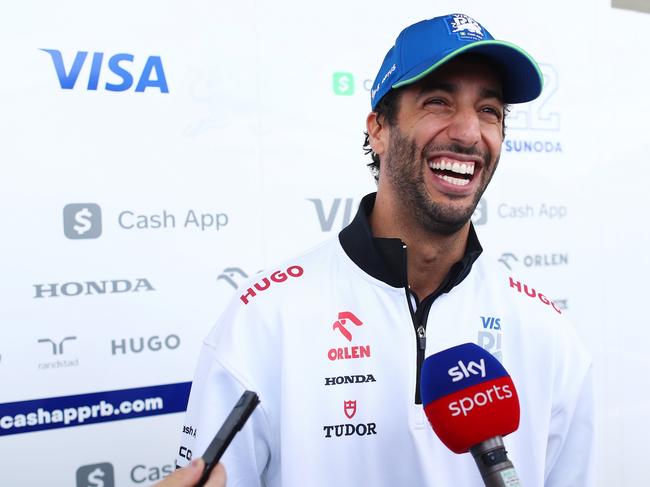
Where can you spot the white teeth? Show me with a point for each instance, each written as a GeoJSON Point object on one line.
{"type": "Point", "coordinates": [455, 166]}
{"type": "Point", "coordinates": [454, 181]}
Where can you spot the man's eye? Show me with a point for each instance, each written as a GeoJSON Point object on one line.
{"type": "Point", "coordinates": [492, 111]}
{"type": "Point", "coordinates": [434, 101]}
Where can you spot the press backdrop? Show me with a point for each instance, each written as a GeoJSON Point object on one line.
{"type": "Point", "coordinates": [155, 153]}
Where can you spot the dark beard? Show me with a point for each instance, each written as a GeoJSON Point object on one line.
{"type": "Point", "coordinates": [405, 170]}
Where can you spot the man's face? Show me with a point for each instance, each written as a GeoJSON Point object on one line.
{"type": "Point", "coordinates": [444, 147]}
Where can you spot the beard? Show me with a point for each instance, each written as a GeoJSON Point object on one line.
{"type": "Point", "coordinates": [405, 168]}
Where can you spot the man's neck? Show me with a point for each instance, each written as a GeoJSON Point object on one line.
{"type": "Point", "coordinates": [429, 256]}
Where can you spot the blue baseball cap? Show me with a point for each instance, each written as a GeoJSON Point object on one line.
{"type": "Point", "coordinates": [427, 45]}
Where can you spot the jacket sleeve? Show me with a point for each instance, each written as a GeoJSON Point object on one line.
{"type": "Point", "coordinates": [570, 448]}
{"type": "Point", "coordinates": [214, 393]}
{"type": "Point", "coordinates": [231, 362]}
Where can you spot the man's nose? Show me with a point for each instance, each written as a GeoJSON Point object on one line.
{"type": "Point", "coordinates": [465, 127]}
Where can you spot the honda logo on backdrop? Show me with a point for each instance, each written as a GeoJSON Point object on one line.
{"type": "Point", "coordinates": [87, 288]}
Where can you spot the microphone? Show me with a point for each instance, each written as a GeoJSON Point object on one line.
{"type": "Point", "coordinates": [471, 403]}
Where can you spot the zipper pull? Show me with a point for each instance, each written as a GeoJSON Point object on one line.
{"type": "Point", "coordinates": [422, 337]}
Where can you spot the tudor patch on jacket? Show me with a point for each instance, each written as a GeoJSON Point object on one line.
{"type": "Point", "coordinates": [350, 428]}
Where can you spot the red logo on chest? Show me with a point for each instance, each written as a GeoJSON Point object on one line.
{"type": "Point", "coordinates": [350, 409]}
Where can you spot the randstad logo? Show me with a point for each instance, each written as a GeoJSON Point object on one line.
{"type": "Point", "coordinates": [120, 66]}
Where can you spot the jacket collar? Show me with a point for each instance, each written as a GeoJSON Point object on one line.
{"type": "Point", "coordinates": [385, 258]}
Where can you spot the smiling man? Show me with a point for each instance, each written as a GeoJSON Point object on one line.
{"type": "Point", "coordinates": [334, 340]}
{"type": "Point", "coordinates": [440, 152]}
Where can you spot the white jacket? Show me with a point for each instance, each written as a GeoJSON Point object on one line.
{"type": "Point", "coordinates": [330, 345]}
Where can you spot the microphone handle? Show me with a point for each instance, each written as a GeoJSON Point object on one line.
{"type": "Point", "coordinates": [492, 460]}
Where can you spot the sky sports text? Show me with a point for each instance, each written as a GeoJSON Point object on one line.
{"type": "Point", "coordinates": [79, 414]}
{"type": "Point", "coordinates": [479, 399]}
{"type": "Point", "coordinates": [466, 404]}
{"type": "Point", "coordinates": [462, 371]}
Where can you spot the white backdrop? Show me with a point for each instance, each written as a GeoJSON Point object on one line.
{"type": "Point", "coordinates": [242, 148]}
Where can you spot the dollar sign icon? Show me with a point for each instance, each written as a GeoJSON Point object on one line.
{"type": "Point", "coordinates": [480, 213]}
{"type": "Point", "coordinates": [96, 475]}
{"type": "Point", "coordinates": [95, 478]}
{"type": "Point", "coordinates": [82, 220]}
{"type": "Point", "coordinates": [343, 83]}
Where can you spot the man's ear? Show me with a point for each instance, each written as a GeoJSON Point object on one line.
{"type": "Point", "coordinates": [377, 133]}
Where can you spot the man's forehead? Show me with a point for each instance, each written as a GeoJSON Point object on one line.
{"type": "Point", "coordinates": [475, 69]}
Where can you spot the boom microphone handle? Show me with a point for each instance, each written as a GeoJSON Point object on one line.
{"type": "Point", "coordinates": [492, 460]}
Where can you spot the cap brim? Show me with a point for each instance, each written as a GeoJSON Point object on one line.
{"type": "Point", "coordinates": [522, 78]}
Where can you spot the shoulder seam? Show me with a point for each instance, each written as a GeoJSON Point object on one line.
{"type": "Point", "coordinates": [237, 377]}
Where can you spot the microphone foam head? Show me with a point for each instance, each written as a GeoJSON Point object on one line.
{"type": "Point", "coordinates": [468, 396]}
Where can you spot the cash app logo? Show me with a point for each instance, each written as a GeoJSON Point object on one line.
{"type": "Point", "coordinates": [343, 83]}
{"type": "Point", "coordinates": [82, 220]}
{"type": "Point", "coordinates": [96, 475]}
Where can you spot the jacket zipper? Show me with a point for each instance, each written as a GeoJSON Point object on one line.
{"type": "Point", "coordinates": [420, 332]}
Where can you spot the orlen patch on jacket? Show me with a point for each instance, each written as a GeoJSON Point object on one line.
{"type": "Point", "coordinates": [532, 293]}
{"type": "Point", "coordinates": [265, 283]}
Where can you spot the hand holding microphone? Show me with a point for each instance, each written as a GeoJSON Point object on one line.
{"type": "Point", "coordinates": [471, 403]}
{"type": "Point", "coordinates": [190, 475]}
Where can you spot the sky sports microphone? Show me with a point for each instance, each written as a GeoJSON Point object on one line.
{"type": "Point", "coordinates": [471, 403]}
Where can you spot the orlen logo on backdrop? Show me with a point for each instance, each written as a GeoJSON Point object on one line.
{"type": "Point", "coordinates": [118, 68]}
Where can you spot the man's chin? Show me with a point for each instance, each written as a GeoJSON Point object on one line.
{"type": "Point", "coordinates": [440, 225]}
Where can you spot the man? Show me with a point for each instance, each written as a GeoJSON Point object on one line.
{"type": "Point", "coordinates": [333, 341]}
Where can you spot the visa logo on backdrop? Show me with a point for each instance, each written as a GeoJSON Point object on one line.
{"type": "Point", "coordinates": [120, 67]}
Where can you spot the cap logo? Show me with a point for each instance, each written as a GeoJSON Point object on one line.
{"type": "Point", "coordinates": [465, 27]}
{"type": "Point", "coordinates": [374, 91]}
